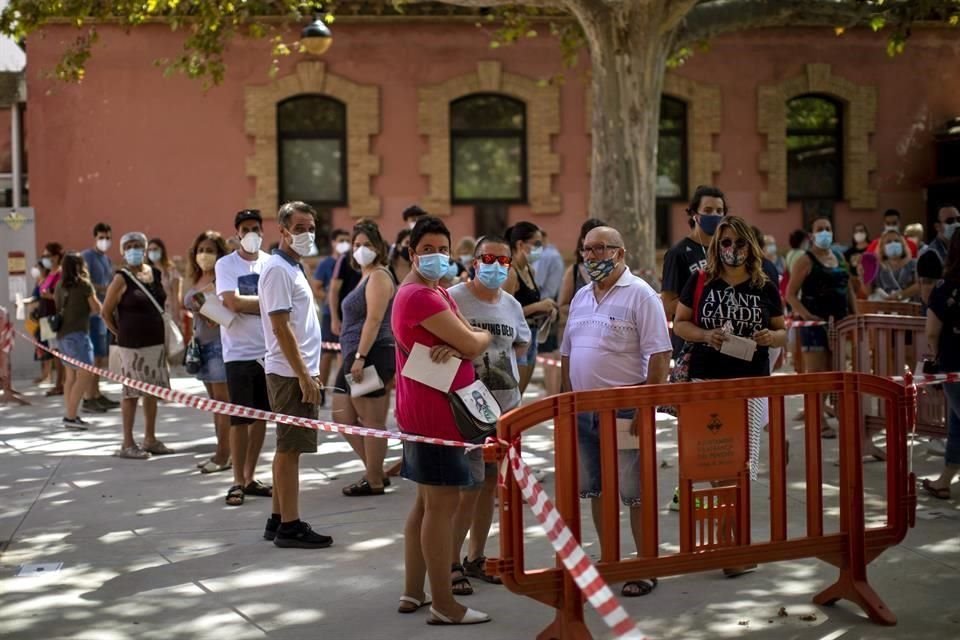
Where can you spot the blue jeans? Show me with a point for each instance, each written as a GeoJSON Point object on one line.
{"type": "Point", "coordinates": [98, 337]}
{"type": "Point", "coordinates": [628, 460]}
{"type": "Point", "coordinates": [77, 345]}
{"type": "Point", "coordinates": [952, 391]}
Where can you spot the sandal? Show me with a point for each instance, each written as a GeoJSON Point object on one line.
{"type": "Point", "coordinates": [637, 588]}
{"type": "Point", "coordinates": [471, 616]}
{"type": "Point", "coordinates": [461, 584]}
{"type": "Point", "coordinates": [235, 496]}
{"type": "Point", "coordinates": [362, 488]}
{"type": "Point", "coordinates": [133, 453]}
{"type": "Point", "coordinates": [56, 391]}
{"type": "Point", "coordinates": [409, 604]}
{"type": "Point", "coordinates": [157, 448]}
{"type": "Point", "coordinates": [940, 493]}
{"type": "Point", "coordinates": [475, 569]}
{"type": "Point", "coordinates": [212, 467]}
{"type": "Point", "coordinates": [257, 488]}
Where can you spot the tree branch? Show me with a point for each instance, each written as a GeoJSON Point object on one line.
{"type": "Point", "coordinates": [543, 4]}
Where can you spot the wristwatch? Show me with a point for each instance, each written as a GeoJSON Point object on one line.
{"type": "Point", "coordinates": [359, 357]}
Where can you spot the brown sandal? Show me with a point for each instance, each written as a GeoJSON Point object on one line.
{"type": "Point", "coordinates": [235, 496]}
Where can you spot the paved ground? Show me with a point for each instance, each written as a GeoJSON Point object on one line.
{"type": "Point", "coordinates": [149, 550]}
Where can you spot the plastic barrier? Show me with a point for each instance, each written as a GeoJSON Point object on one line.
{"type": "Point", "coordinates": [714, 523]}
{"type": "Point", "coordinates": [887, 345]}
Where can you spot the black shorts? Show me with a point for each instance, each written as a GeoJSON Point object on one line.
{"type": "Point", "coordinates": [328, 335]}
{"type": "Point", "coordinates": [383, 359]}
{"type": "Point", "coordinates": [247, 386]}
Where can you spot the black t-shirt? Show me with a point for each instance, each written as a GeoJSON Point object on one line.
{"type": "Point", "coordinates": [748, 309]}
{"type": "Point", "coordinates": [944, 303]}
{"type": "Point", "coordinates": [349, 278]}
{"type": "Point", "coordinates": [682, 260]}
{"type": "Point", "coordinates": [930, 262]}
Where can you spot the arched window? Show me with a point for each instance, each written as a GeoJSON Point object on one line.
{"type": "Point", "coordinates": [488, 151]}
{"type": "Point", "coordinates": [312, 150]}
{"type": "Point", "coordinates": [814, 148]}
{"type": "Point", "coordinates": [671, 163]}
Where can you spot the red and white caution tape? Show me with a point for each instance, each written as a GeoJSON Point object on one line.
{"type": "Point", "coordinates": [925, 379]}
{"type": "Point", "coordinates": [806, 323]}
{"type": "Point", "coordinates": [577, 563]}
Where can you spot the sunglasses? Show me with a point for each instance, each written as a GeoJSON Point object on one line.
{"type": "Point", "coordinates": [726, 243]}
{"type": "Point", "coordinates": [489, 258]}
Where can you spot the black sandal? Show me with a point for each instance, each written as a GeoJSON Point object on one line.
{"type": "Point", "coordinates": [476, 569]}
{"type": "Point", "coordinates": [257, 488]}
{"type": "Point", "coordinates": [362, 488]}
{"type": "Point", "coordinates": [235, 495]}
{"type": "Point", "coordinates": [643, 587]}
{"type": "Point", "coordinates": [460, 583]}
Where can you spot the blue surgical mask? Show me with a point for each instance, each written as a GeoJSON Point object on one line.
{"type": "Point", "coordinates": [948, 230]}
{"type": "Point", "coordinates": [47, 263]}
{"type": "Point", "coordinates": [155, 255]}
{"type": "Point", "coordinates": [823, 239]}
{"type": "Point", "coordinates": [433, 266]}
{"type": "Point", "coordinates": [535, 254]}
{"type": "Point", "coordinates": [133, 257]}
{"type": "Point", "coordinates": [893, 249]}
{"type": "Point", "coordinates": [709, 222]}
{"type": "Point", "coordinates": [492, 276]}
{"type": "Point", "coordinates": [452, 271]}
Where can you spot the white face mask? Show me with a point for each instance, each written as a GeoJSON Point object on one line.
{"type": "Point", "coordinates": [891, 227]}
{"type": "Point", "coordinates": [302, 243]}
{"type": "Point", "coordinates": [364, 256]}
{"type": "Point", "coordinates": [103, 245]}
{"type": "Point", "coordinates": [251, 242]}
{"type": "Point", "coordinates": [35, 273]}
{"type": "Point", "coordinates": [411, 224]}
{"type": "Point", "coordinates": [342, 247]}
{"type": "Point", "coordinates": [860, 236]}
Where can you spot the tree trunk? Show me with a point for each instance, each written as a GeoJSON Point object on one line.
{"type": "Point", "coordinates": [628, 54]}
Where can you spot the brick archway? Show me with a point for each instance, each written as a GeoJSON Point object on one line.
{"type": "Point", "coordinates": [543, 122]}
{"type": "Point", "coordinates": [859, 118]}
{"type": "Point", "coordinates": [363, 122]}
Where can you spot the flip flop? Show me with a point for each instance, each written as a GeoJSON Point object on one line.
{"type": "Point", "coordinates": [414, 604]}
{"type": "Point", "coordinates": [940, 493]}
{"type": "Point", "coordinates": [257, 488]}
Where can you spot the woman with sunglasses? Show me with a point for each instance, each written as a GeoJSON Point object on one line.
{"type": "Point", "coordinates": [731, 297]}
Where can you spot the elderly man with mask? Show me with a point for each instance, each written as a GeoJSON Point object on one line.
{"type": "Point", "coordinates": [616, 336]}
{"type": "Point", "coordinates": [934, 257]}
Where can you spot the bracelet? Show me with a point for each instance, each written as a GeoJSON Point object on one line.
{"type": "Point", "coordinates": [359, 357]}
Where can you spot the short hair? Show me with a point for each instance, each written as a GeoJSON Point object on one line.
{"type": "Point", "coordinates": [288, 209]}
{"type": "Point", "coordinates": [403, 235]}
{"type": "Point", "coordinates": [339, 232]}
{"type": "Point", "coordinates": [891, 213]}
{"type": "Point", "coordinates": [797, 237]}
{"type": "Point", "coordinates": [521, 232]}
{"type": "Point", "coordinates": [701, 192]}
{"type": "Point", "coordinates": [101, 227]}
{"type": "Point", "coordinates": [247, 214]}
{"type": "Point", "coordinates": [425, 226]}
{"type": "Point", "coordinates": [370, 229]}
{"type": "Point", "coordinates": [491, 239]}
{"type": "Point", "coordinates": [54, 249]}
{"type": "Point", "coordinates": [413, 211]}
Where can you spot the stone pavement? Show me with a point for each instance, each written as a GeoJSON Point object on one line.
{"type": "Point", "coordinates": [150, 550]}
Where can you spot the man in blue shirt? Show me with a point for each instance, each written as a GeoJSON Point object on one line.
{"type": "Point", "coordinates": [101, 273]}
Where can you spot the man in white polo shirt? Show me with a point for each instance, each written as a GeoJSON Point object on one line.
{"type": "Point", "coordinates": [292, 331]}
{"type": "Point", "coordinates": [616, 336]}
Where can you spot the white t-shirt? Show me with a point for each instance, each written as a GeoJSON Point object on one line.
{"type": "Point", "coordinates": [610, 343]}
{"type": "Point", "coordinates": [284, 288]}
{"type": "Point", "coordinates": [244, 339]}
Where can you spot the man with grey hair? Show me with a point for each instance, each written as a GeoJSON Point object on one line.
{"type": "Point", "coordinates": [292, 331]}
{"type": "Point", "coordinates": [616, 336]}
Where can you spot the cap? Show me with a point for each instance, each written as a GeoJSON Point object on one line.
{"type": "Point", "coordinates": [247, 214]}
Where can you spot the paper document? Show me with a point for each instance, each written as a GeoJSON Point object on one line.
{"type": "Point", "coordinates": [371, 382]}
{"type": "Point", "coordinates": [421, 368]}
{"type": "Point", "coordinates": [214, 310]}
{"type": "Point", "coordinates": [738, 347]}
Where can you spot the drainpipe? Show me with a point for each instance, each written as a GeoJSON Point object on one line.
{"type": "Point", "coordinates": [16, 154]}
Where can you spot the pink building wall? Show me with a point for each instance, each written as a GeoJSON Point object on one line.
{"type": "Point", "coordinates": [162, 155]}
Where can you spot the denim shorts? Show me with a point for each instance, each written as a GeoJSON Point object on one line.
{"type": "Point", "coordinates": [529, 358]}
{"type": "Point", "coordinates": [212, 370]}
{"type": "Point", "coordinates": [98, 336]}
{"type": "Point", "coordinates": [77, 345]}
{"type": "Point", "coordinates": [436, 465]}
{"type": "Point", "coordinates": [479, 469]}
{"type": "Point", "coordinates": [628, 460]}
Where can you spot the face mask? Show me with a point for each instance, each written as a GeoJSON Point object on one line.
{"type": "Point", "coordinates": [891, 227]}
{"type": "Point", "coordinates": [823, 239]}
{"type": "Point", "coordinates": [599, 269]}
{"type": "Point", "coordinates": [709, 222]}
{"type": "Point", "coordinates": [860, 236]}
{"type": "Point", "coordinates": [155, 255]}
{"type": "Point", "coordinates": [364, 256]}
{"type": "Point", "coordinates": [411, 224]}
{"type": "Point", "coordinates": [465, 260]}
{"type": "Point", "coordinates": [433, 266]}
{"type": "Point", "coordinates": [405, 253]}
{"type": "Point", "coordinates": [302, 243]}
{"type": "Point", "coordinates": [731, 257]}
{"type": "Point", "coordinates": [35, 273]}
{"type": "Point", "coordinates": [251, 242]}
{"type": "Point", "coordinates": [133, 257]}
{"type": "Point", "coordinates": [47, 263]}
{"type": "Point", "coordinates": [949, 229]}
{"type": "Point", "coordinates": [342, 247]}
{"type": "Point", "coordinates": [771, 249]}
{"type": "Point", "coordinates": [103, 245]}
{"type": "Point", "coordinates": [452, 271]}
{"type": "Point", "coordinates": [492, 276]}
{"type": "Point", "coordinates": [206, 261]}
{"type": "Point", "coordinates": [535, 254]}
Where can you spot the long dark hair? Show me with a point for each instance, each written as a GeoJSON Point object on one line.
{"type": "Point", "coordinates": [74, 270]}
{"type": "Point", "coordinates": [370, 229]}
{"type": "Point", "coordinates": [216, 239]}
{"type": "Point", "coordinates": [164, 259]}
{"type": "Point", "coordinates": [952, 270]}
{"type": "Point", "coordinates": [521, 232]}
{"type": "Point", "coordinates": [588, 225]}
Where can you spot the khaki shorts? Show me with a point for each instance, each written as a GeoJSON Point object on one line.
{"type": "Point", "coordinates": [286, 397]}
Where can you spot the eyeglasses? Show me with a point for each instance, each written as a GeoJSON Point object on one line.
{"type": "Point", "coordinates": [489, 258]}
{"type": "Point", "coordinates": [726, 243]}
{"type": "Point", "coordinates": [597, 249]}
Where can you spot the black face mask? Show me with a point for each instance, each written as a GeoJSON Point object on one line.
{"type": "Point", "coordinates": [405, 253]}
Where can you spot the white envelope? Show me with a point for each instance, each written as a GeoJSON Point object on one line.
{"type": "Point", "coordinates": [214, 310]}
{"type": "Point", "coordinates": [371, 382]}
{"type": "Point", "coordinates": [421, 368]}
{"type": "Point", "coordinates": [738, 347]}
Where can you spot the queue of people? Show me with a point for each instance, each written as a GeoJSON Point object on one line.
{"type": "Point", "coordinates": [258, 340]}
